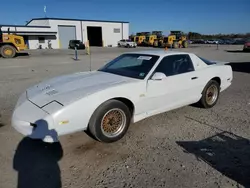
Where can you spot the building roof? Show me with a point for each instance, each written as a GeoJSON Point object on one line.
{"type": "Point", "coordinates": [41, 33]}
{"type": "Point", "coordinates": [71, 19]}
{"type": "Point", "coordinates": [4, 25]}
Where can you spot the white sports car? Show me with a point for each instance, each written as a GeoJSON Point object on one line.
{"type": "Point", "coordinates": [131, 87]}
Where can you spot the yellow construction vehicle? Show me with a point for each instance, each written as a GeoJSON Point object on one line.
{"type": "Point", "coordinates": [176, 39]}
{"type": "Point", "coordinates": [149, 40]}
{"type": "Point", "coordinates": [11, 44]}
{"type": "Point", "coordinates": [140, 38]}
{"type": "Point", "coordinates": [179, 39]}
{"type": "Point", "coordinates": [159, 38]}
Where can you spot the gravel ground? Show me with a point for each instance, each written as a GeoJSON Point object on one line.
{"type": "Point", "coordinates": [187, 147]}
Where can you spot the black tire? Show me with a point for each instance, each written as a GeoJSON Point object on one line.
{"type": "Point", "coordinates": [128, 46]}
{"type": "Point", "coordinates": [95, 124]}
{"type": "Point", "coordinates": [184, 44]}
{"type": "Point", "coordinates": [175, 45]}
{"type": "Point", "coordinates": [10, 48]}
{"type": "Point", "coordinates": [203, 101]}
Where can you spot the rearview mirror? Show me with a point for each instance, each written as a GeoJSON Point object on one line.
{"type": "Point", "coordinates": [158, 76]}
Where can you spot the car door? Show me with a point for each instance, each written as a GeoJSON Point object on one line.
{"type": "Point", "coordinates": [178, 88]}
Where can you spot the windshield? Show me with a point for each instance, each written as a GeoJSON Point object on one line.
{"type": "Point", "coordinates": [131, 65]}
{"type": "Point", "coordinates": [207, 61]}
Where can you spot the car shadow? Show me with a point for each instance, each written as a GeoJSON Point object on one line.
{"type": "Point", "coordinates": [240, 66]}
{"type": "Point", "coordinates": [226, 152]}
{"type": "Point", "coordinates": [37, 162]}
{"type": "Point", "coordinates": [236, 51]}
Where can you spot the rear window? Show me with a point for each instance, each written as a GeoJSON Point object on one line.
{"type": "Point", "coordinates": [207, 61]}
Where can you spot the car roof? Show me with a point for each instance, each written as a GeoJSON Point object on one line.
{"type": "Point", "coordinates": [159, 52]}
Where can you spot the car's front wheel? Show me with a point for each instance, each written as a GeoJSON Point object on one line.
{"type": "Point", "coordinates": [110, 121]}
{"type": "Point", "coordinates": [210, 94]}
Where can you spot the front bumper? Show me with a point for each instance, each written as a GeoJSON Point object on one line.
{"type": "Point", "coordinates": [31, 121]}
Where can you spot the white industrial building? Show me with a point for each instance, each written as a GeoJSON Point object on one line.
{"type": "Point", "coordinates": [58, 31]}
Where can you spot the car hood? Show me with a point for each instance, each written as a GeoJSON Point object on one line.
{"type": "Point", "coordinates": [68, 88]}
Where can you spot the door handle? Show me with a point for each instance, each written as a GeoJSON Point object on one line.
{"type": "Point", "coordinates": [193, 78]}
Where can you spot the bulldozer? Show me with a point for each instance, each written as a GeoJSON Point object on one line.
{"type": "Point", "coordinates": [176, 39]}
{"type": "Point", "coordinates": [11, 44]}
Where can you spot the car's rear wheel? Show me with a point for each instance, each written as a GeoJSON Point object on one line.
{"type": "Point", "coordinates": [210, 94]}
{"type": "Point", "coordinates": [110, 121]}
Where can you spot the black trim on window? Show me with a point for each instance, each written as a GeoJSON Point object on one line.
{"type": "Point", "coordinates": [188, 56]}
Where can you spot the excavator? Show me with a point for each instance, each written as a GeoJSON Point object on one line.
{"type": "Point", "coordinates": [11, 44]}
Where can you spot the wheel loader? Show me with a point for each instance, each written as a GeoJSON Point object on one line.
{"type": "Point", "coordinates": [140, 38]}
{"type": "Point", "coordinates": [174, 40]}
{"type": "Point", "coordinates": [149, 40]}
{"type": "Point", "coordinates": [11, 44]}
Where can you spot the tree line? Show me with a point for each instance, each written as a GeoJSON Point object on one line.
{"type": "Point", "coordinates": [194, 35]}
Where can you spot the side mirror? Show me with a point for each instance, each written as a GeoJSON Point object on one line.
{"type": "Point", "coordinates": [158, 76]}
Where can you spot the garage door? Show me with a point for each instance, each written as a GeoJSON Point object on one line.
{"type": "Point", "coordinates": [66, 33]}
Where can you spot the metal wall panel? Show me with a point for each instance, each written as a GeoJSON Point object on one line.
{"type": "Point", "coordinates": [66, 33]}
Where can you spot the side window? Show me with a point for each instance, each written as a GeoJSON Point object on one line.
{"type": "Point", "coordinates": [175, 64]}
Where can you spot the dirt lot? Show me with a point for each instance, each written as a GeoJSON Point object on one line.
{"type": "Point", "coordinates": [187, 147]}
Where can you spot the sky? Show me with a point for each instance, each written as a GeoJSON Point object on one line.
{"type": "Point", "coordinates": [202, 16]}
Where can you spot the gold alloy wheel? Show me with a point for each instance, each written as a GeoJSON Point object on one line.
{"type": "Point", "coordinates": [113, 122]}
{"type": "Point", "coordinates": [211, 94]}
